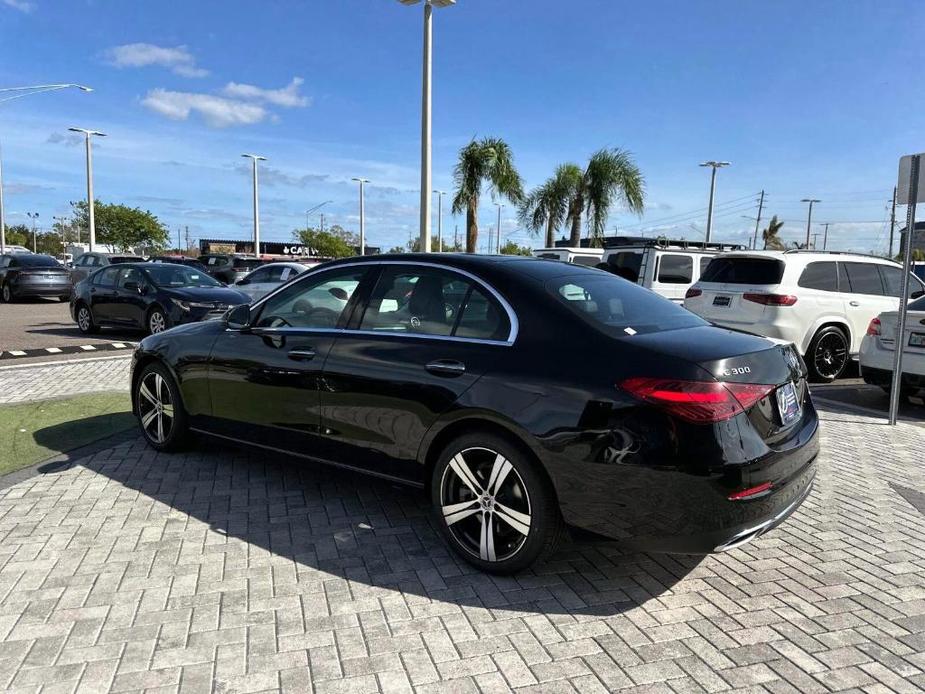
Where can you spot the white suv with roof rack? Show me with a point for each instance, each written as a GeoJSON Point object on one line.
{"type": "Point", "coordinates": [567, 254]}
{"type": "Point", "coordinates": [820, 301]}
{"type": "Point", "coordinates": [666, 267]}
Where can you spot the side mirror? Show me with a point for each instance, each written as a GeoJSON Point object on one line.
{"type": "Point", "coordinates": [917, 294]}
{"type": "Point", "coordinates": [238, 318]}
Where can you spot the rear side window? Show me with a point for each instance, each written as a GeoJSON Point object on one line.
{"type": "Point", "coordinates": [676, 269]}
{"type": "Point", "coordinates": [588, 260]}
{"type": "Point", "coordinates": [892, 281]}
{"type": "Point", "coordinates": [744, 271]}
{"type": "Point", "coordinates": [107, 277]}
{"type": "Point", "coordinates": [822, 276]}
{"type": "Point", "coordinates": [617, 308]}
{"type": "Point", "coordinates": [704, 264]}
{"type": "Point", "coordinates": [863, 278]}
{"type": "Point", "coordinates": [625, 264]}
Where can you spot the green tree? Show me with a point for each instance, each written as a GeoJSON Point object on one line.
{"type": "Point", "coordinates": [397, 249]}
{"type": "Point", "coordinates": [511, 248]}
{"type": "Point", "coordinates": [19, 235]}
{"type": "Point", "coordinates": [545, 207]}
{"type": "Point", "coordinates": [49, 243]}
{"type": "Point", "coordinates": [487, 160]}
{"type": "Point", "coordinates": [121, 226]}
{"type": "Point", "coordinates": [414, 246]}
{"type": "Point", "coordinates": [327, 244]}
{"type": "Point", "coordinates": [611, 176]}
{"type": "Point", "coordinates": [771, 235]}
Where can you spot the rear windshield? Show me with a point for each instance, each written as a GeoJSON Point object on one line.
{"type": "Point", "coordinates": [116, 259]}
{"type": "Point", "coordinates": [32, 260]}
{"type": "Point", "coordinates": [617, 307]}
{"type": "Point", "coordinates": [744, 271]}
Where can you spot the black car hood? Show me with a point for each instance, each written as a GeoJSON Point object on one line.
{"type": "Point", "coordinates": [217, 295]}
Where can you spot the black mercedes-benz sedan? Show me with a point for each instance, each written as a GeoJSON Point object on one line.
{"type": "Point", "coordinates": [149, 296]}
{"type": "Point", "coordinates": [524, 395]}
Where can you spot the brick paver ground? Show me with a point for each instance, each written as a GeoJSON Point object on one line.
{"type": "Point", "coordinates": [226, 570]}
{"type": "Point", "coordinates": [88, 375]}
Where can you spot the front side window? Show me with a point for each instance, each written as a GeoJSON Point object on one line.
{"type": "Point", "coordinates": [317, 302]}
{"type": "Point", "coordinates": [822, 276]}
{"type": "Point", "coordinates": [260, 276]}
{"type": "Point", "coordinates": [863, 278]}
{"type": "Point", "coordinates": [676, 269]}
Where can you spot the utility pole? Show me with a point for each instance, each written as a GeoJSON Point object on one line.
{"type": "Point", "coordinates": [892, 220]}
{"type": "Point", "coordinates": [815, 236]}
{"type": "Point", "coordinates": [498, 244]}
{"type": "Point", "coordinates": [825, 236]}
{"type": "Point", "coordinates": [178, 240]}
{"type": "Point", "coordinates": [758, 220]}
{"type": "Point", "coordinates": [456, 238]}
{"type": "Point", "coordinates": [91, 222]}
{"type": "Point", "coordinates": [33, 216]}
{"type": "Point", "coordinates": [254, 159]}
{"type": "Point", "coordinates": [362, 182]}
{"type": "Point", "coordinates": [809, 216]}
{"type": "Point", "coordinates": [322, 222]}
{"type": "Point", "coordinates": [187, 239]}
{"type": "Point", "coordinates": [714, 165]}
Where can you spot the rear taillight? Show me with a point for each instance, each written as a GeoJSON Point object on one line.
{"type": "Point", "coordinates": [700, 402]}
{"type": "Point", "coordinates": [874, 327]}
{"type": "Point", "coordinates": [751, 492]}
{"type": "Point", "coordinates": [691, 293]}
{"type": "Point", "coordinates": [771, 299]}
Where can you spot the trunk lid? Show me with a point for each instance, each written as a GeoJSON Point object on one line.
{"type": "Point", "coordinates": [914, 338]}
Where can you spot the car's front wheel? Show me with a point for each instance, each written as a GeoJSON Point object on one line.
{"type": "Point", "coordinates": [493, 506]}
{"type": "Point", "coordinates": [827, 355]}
{"type": "Point", "coordinates": [159, 409]}
{"type": "Point", "coordinates": [6, 293]}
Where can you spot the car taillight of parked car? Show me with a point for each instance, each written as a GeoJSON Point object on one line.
{"type": "Point", "coordinates": [874, 328]}
{"type": "Point", "coordinates": [691, 293]}
{"type": "Point", "coordinates": [771, 299]}
{"type": "Point", "coordinates": [701, 402]}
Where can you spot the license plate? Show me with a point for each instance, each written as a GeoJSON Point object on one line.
{"type": "Point", "coordinates": [788, 404]}
{"type": "Point", "coordinates": [721, 301]}
{"type": "Point", "coordinates": [917, 340]}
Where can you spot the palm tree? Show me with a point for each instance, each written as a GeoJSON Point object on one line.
{"type": "Point", "coordinates": [611, 176]}
{"type": "Point", "coordinates": [489, 159]}
{"type": "Point", "coordinates": [771, 235]}
{"type": "Point", "coordinates": [546, 207]}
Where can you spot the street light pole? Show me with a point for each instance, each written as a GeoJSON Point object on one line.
{"type": "Point", "coordinates": [255, 158]}
{"type": "Point", "coordinates": [498, 240]}
{"type": "Point", "coordinates": [90, 218]}
{"type": "Point", "coordinates": [714, 165]}
{"type": "Point", "coordinates": [440, 194]}
{"type": "Point", "coordinates": [362, 182]}
{"type": "Point", "coordinates": [426, 129]}
{"type": "Point", "coordinates": [33, 216]}
{"type": "Point", "coordinates": [809, 216]}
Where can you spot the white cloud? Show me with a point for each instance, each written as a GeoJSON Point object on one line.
{"type": "Point", "coordinates": [69, 139]}
{"type": "Point", "coordinates": [270, 176]}
{"type": "Point", "coordinates": [287, 96]}
{"type": "Point", "coordinates": [21, 5]}
{"type": "Point", "coordinates": [216, 111]}
{"type": "Point", "coordinates": [179, 60]}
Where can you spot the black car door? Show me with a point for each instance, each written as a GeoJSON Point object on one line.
{"type": "Point", "coordinates": [425, 336]}
{"type": "Point", "coordinates": [131, 301]}
{"type": "Point", "coordinates": [265, 379]}
{"type": "Point", "coordinates": [104, 296]}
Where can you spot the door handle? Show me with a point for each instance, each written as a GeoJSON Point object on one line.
{"type": "Point", "coordinates": [854, 303]}
{"type": "Point", "coordinates": [302, 354]}
{"type": "Point", "coordinates": [446, 367]}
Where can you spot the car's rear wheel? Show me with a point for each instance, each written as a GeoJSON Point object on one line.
{"type": "Point", "coordinates": [160, 410]}
{"type": "Point", "coordinates": [495, 509]}
{"type": "Point", "coordinates": [827, 355]}
{"type": "Point", "coordinates": [85, 322]}
{"type": "Point", "coordinates": [157, 321]}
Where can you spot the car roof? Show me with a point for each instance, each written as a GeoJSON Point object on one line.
{"type": "Point", "coordinates": [810, 256]}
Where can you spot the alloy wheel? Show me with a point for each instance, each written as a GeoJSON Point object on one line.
{"type": "Point", "coordinates": [155, 408]}
{"type": "Point", "coordinates": [830, 355]}
{"type": "Point", "coordinates": [7, 294]}
{"type": "Point", "coordinates": [157, 323]}
{"type": "Point", "coordinates": [83, 319]}
{"type": "Point", "coordinates": [485, 504]}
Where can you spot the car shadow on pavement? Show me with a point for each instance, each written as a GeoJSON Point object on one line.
{"type": "Point", "coordinates": [363, 530]}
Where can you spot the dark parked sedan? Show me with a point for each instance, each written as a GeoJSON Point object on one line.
{"type": "Point", "coordinates": [522, 394]}
{"type": "Point", "coordinates": [32, 274]}
{"type": "Point", "coordinates": [150, 296]}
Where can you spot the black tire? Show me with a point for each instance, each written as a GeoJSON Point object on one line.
{"type": "Point", "coordinates": [523, 489]}
{"type": "Point", "coordinates": [164, 427]}
{"type": "Point", "coordinates": [156, 321]}
{"type": "Point", "coordinates": [6, 294]}
{"type": "Point", "coordinates": [827, 356]}
{"type": "Point", "coordinates": [85, 322]}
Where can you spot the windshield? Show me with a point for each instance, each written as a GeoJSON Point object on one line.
{"type": "Point", "coordinates": [617, 307]}
{"type": "Point", "coordinates": [744, 271]}
{"type": "Point", "coordinates": [173, 276]}
{"type": "Point", "coordinates": [32, 260]}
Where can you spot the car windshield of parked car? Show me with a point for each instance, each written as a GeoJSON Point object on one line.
{"type": "Point", "coordinates": [744, 271]}
{"type": "Point", "coordinates": [171, 276]}
{"type": "Point", "coordinates": [618, 307]}
{"type": "Point", "coordinates": [34, 260]}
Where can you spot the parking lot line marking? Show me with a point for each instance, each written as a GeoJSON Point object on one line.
{"type": "Point", "coordinates": [69, 349]}
{"type": "Point", "coordinates": [118, 345]}
{"type": "Point", "coordinates": [17, 353]}
{"type": "Point", "coordinates": [88, 348]}
{"type": "Point", "coordinates": [53, 350]}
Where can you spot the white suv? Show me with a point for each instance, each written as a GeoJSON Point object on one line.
{"type": "Point", "coordinates": [822, 302]}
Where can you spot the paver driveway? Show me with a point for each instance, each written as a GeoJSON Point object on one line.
{"type": "Point", "coordinates": [225, 570]}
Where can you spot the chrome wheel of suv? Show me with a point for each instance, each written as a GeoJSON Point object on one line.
{"type": "Point", "coordinates": [828, 354]}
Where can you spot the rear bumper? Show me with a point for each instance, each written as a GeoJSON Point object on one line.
{"type": "Point", "coordinates": [41, 289]}
{"type": "Point", "coordinates": [884, 378]}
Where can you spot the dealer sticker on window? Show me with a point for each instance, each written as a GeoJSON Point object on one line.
{"type": "Point", "coordinates": [788, 404]}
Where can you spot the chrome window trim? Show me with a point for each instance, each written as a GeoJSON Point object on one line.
{"type": "Point", "coordinates": [305, 276]}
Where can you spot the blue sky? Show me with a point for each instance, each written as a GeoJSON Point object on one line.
{"type": "Point", "coordinates": [807, 99]}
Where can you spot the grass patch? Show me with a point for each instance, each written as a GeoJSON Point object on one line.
{"type": "Point", "coordinates": [35, 431]}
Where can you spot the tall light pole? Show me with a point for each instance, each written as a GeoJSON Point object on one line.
{"type": "Point", "coordinates": [498, 240]}
{"type": "Point", "coordinates": [809, 216]}
{"type": "Point", "coordinates": [440, 194]}
{"type": "Point", "coordinates": [362, 182]}
{"type": "Point", "coordinates": [425, 115]}
{"type": "Point", "coordinates": [255, 158]}
{"type": "Point", "coordinates": [18, 93]}
{"type": "Point", "coordinates": [88, 134]}
{"type": "Point", "coordinates": [713, 165]}
{"type": "Point", "coordinates": [33, 216]}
